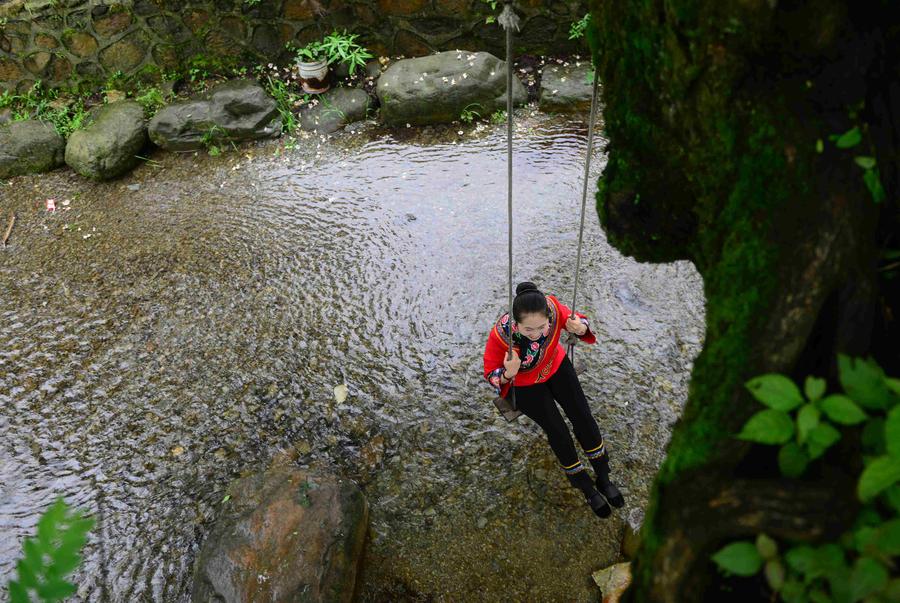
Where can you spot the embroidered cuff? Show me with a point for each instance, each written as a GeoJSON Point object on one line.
{"type": "Point", "coordinates": [587, 324]}
{"type": "Point", "coordinates": [494, 379]}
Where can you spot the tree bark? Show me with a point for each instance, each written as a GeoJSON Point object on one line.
{"type": "Point", "coordinates": [722, 119]}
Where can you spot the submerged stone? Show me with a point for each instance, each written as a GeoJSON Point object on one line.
{"type": "Point", "coordinates": [284, 535]}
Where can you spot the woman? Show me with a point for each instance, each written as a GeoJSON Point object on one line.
{"type": "Point", "coordinates": [543, 373]}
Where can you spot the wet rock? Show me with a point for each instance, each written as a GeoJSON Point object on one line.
{"type": "Point", "coordinates": [334, 110]}
{"type": "Point", "coordinates": [437, 88]}
{"type": "Point", "coordinates": [631, 541]}
{"type": "Point", "coordinates": [566, 89]}
{"type": "Point", "coordinates": [232, 111]}
{"type": "Point", "coordinates": [373, 68]}
{"type": "Point", "coordinates": [613, 581]}
{"type": "Point", "coordinates": [109, 146]}
{"type": "Point", "coordinates": [284, 535]}
{"type": "Point", "coordinates": [29, 147]}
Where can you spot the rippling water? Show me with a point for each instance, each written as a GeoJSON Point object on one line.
{"type": "Point", "coordinates": [199, 330]}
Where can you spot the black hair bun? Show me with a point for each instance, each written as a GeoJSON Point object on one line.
{"type": "Point", "coordinates": [525, 287]}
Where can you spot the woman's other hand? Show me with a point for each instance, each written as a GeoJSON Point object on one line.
{"type": "Point", "coordinates": [575, 326]}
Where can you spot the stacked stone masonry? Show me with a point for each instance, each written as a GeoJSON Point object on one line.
{"type": "Point", "coordinates": [66, 42]}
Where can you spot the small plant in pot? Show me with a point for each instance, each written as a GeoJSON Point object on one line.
{"type": "Point", "coordinates": [342, 49]}
{"type": "Point", "coordinates": [313, 63]}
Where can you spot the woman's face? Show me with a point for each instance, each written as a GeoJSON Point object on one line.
{"type": "Point", "coordinates": [533, 326]}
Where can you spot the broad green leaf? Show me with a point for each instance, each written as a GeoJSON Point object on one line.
{"type": "Point", "coordinates": [866, 163]}
{"type": "Point", "coordinates": [819, 596]}
{"type": "Point", "coordinates": [64, 562]}
{"type": "Point", "coordinates": [868, 576]}
{"type": "Point", "coordinates": [830, 559]}
{"type": "Point", "coordinates": [892, 433]}
{"type": "Point", "coordinates": [807, 419]}
{"type": "Point", "coordinates": [775, 391]}
{"type": "Point", "coordinates": [793, 592]}
{"type": "Point", "coordinates": [872, 179]}
{"type": "Point", "coordinates": [739, 558]}
{"type": "Point", "coordinates": [56, 590]}
{"type": "Point", "coordinates": [814, 388]}
{"type": "Point", "coordinates": [839, 582]}
{"type": "Point", "coordinates": [17, 593]}
{"type": "Point", "coordinates": [892, 495]}
{"type": "Point", "coordinates": [820, 146]}
{"type": "Point", "coordinates": [873, 437]}
{"type": "Point", "coordinates": [774, 571]}
{"type": "Point", "coordinates": [801, 559]}
{"type": "Point", "coordinates": [768, 427]}
{"type": "Point", "coordinates": [841, 409]}
{"type": "Point", "coordinates": [887, 538]}
{"type": "Point", "coordinates": [766, 547]}
{"type": "Point", "coordinates": [792, 460]}
{"type": "Point", "coordinates": [863, 380]}
{"type": "Point", "coordinates": [863, 537]}
{"type": "Point", "coordinates": [47, 524]}
{"type": "Point", "coordinates": [33, 558]}
{"type": "Point", "coordinates": [893, 384]}
{"type": "Point", "coordinates": [28, 573]}
{"type": "Point", "coordinates": [879, 474]}
{"type": "Point", "coordinates": [892, 592]}
{"type": "Point", "coordinates": [821, 438]}
{"type": "Point", "coordinates": [849, 139]}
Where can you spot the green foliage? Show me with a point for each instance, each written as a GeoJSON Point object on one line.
{"type": "Point", "coordinates": [739, 558]}
{"type": "Point", "coordinates": [775, 391]}
{"type": "Point", "coordinates": [210, 138]}
{"type": "Point", "coordinates": [341, 47]}
{"type": "Point", "coordinates": [469, 114]}
{"type": "Point", "coordinates": [498, 117]}
{"type": "Point", "coordinates": [848, 139]}
{"type": "Point", "coordinates": [576, 30]}
{"type": "Point", "coordinates": [336, 47]}
{"type": "Point", "coordinates": [286, 100]}
{"type": "Point", "coordinates": [151, 99]}
{"type": "Point", "coordinates": [857, 567]}
{"type": "Point", "coordinates": [311, 53]}
{"type": "Point", "coordinates": [46, 104]}
{"type": "Point", "coordinates": [871, 175]}
{"type": "Point", "coordinates": [50, 556]}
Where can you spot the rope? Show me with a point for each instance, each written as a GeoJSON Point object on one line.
{"type": "Point", "coordinates": [587, 169]}
{"type": "Point", "coordinates": [509, 20]}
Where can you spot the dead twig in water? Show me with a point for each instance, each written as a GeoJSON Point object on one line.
{"type": "Point", "coordinates": [12, 221]}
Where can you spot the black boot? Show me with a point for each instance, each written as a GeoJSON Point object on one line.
{"type": "Point", "coordinates": [581, 480]}
{"type": "Point", "coordinates": [604, 485]}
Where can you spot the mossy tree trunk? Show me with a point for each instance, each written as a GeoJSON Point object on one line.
{"type": "Point", "coordinates": [714, 111]}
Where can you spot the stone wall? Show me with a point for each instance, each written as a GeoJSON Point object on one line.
{"type": "Point", "coordinates": [64, 42]}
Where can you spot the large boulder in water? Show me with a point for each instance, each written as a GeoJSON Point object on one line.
{"type": "Point", "coordinates": [284, 535]}
{"type": "Point", "coordinates": [109, 146]}
{"type": "Point", "coordinates": [29, 147]}
{"type": "Point", "coordinates": [331, 111]}
{"type": "Point", "coordinates": [232, 111]}
{"type": "Point", "coordinates": [437, 88]}
{"type": "Point", "coordinates": [566, 88]}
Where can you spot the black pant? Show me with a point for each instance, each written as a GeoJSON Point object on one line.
{"type": "Point", "coordinates": [536, 401]}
